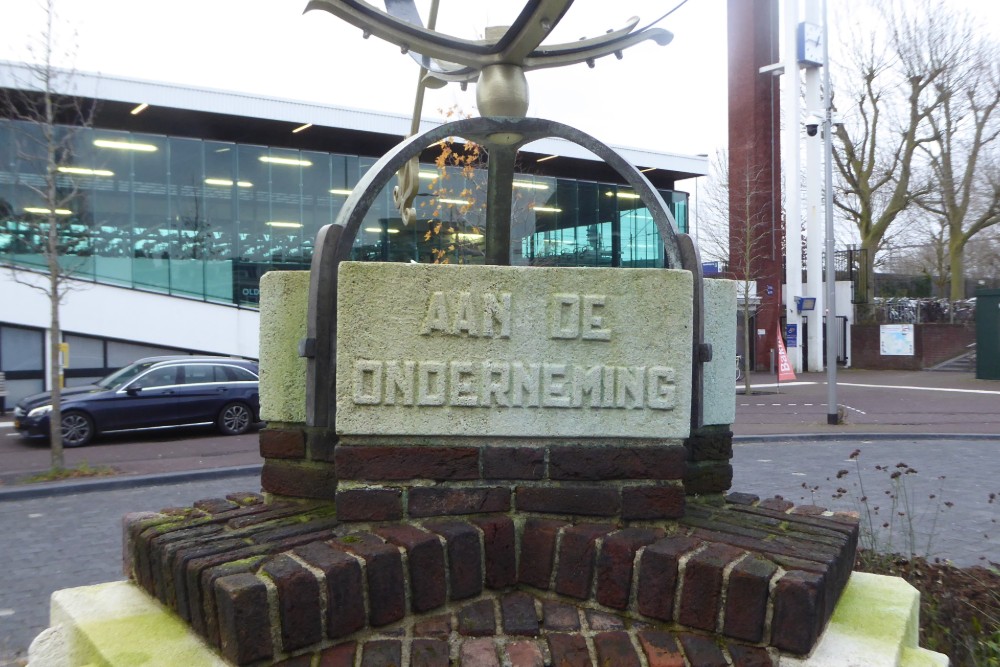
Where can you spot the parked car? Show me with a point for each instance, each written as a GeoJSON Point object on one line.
{"type": "Point", "coordinates": [149, 393]}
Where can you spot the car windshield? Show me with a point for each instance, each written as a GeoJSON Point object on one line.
{"type": "Point", "coordinates": [120, 377]}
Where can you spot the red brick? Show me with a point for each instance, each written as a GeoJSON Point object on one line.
{"type": "Point", "coordinates": [661, 649]}
{"type": "Point", "coordinates": [341, 655]}
{"type": "Point", "coordinates": [604, 463]}
{"type": "Point", "coordinates": [701, 592]}
{"type": "Point", "coordinates": [748, 656]}
{"type": "Point", "coordinates": [525, 654]}
{"type": "Point", "coordinates": [384, 569]}
{"type": "Point", "coordinates": [560, 617]}
{"type": "Point", "coordinates": [798, 611]}
{"type": "Point", "coordinates": [600, 621]}
{"type": "Point", "coordinates": [568, 650]}
{"type": "Point", "coordinates": [282, 443]}
{"type": "Point", "coordinates": [345, 609]}
{"type": "Point", "coordinates": [298, 602]}
{"type": "Point", "coordinates": [538, 545]}
{"type": "Point", "coordinates": [710, 446]}
{"type": "Point", "coordinates": [500, 554]}
{"type": "Point", "coordinates": [737, 498]}
{"type": "Point", "coordinates": [653, 502]}
{"type": "Point", "coordinates": [776, 504]}
{"type": "Point", "coordinates": [425, 562]}
{"type": "Point", "coordinates": [577, 552]}
{"type": "Point", "coordinates": [519, 616]}
{"type": "Point", "coordinates": [424, 501]}
{"type": "Point", "coordinates": [614, 564]}
{"type": "Point", "coordinates": [702, 651]}
{"type": "Point", "coordinates": [370, 505]}
{"type": "Point", "coordinates": [477, 619]}
{"type": "Point", "coordinates": [615, 648]}
{"type": "Point", "coordinates": [288, 478]}
{"type": "Point", "coordinates": [479, 653]}
{"type": "Point", "coordinates": [397, 463]}
{"type": "Point", "coordinates": [243, 618]}
{"type": "Point", "coordinates": [657, 579]}
{"type": "Point", "coordinates": [706, 477]}
{"type": "Point", "coordinates": [436, 627]}
{"type": "Point", "coordinates": [465, 569]}
{"type": "Point", "coordinates": [429, 653]}
{"type": "Point", "coordinates": [513, 463]}
{"type": "Point", "coordinates": [382, 652]}
{"type": "Point", "coordinates": [585, 501]}
{"type": "Point", "coordinates": [746, 599]}
{"type": "Point", "coordinates": [214, 505]}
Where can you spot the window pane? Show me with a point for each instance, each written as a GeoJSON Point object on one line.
{"type": "Point", "coordinates": [85, 352]}
{"type": "Point", "coordinates": [21, 349]}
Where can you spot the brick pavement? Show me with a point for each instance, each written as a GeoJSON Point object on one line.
{"type": "Point", "coordinates": [73, 540]}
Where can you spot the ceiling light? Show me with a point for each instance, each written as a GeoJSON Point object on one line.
{"type": "Point", "coordinates": [45, 211]}
{"type": "Point", "coordinates": [460, 202]}
{"type": "Point", "coordinates": [622, 195]}
{"type": "Point", "coordinates": [543, 159]}
{"type": "Point", "coordinates": [285, 160]}
{"type": "Point", "coordinates": [83, 171]}
{"type": "Point", "coordinates": [125, 145]}
{"type": "Point", "coordinates": [378, 230]}
{"type": "Point", "coordinates": [528, 185]}
{"type": "Point", "coordinates": [225, 182]}
{"type": "Point", "coordinates": [429, 175]}
{"type": "Point", "coordinates": [302, 127]}
{"type": "Point", "coordinates": [470, 237]}
{"type": "Point", "coordinates": [139, 109]}
{"type": "Point", "coordinates": [290, 225]}
{"type": "Point", "coordinates": [547, 209]}
{"type": "Point", "coordinates": [648, 169]}
{"type": "Point", "coordinates": [340, 191]}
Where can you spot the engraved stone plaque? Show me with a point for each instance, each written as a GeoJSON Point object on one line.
{"type": "Point", "coordinates": [438, 350]}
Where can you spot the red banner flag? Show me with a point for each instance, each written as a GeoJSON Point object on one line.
{"type": "Point", "coordinates": [785, 371]}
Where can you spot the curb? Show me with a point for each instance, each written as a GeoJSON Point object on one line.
{"type": "Point", "coordinates": [771, 437]}
{"type": "Point", "coordinates": [50, 489]}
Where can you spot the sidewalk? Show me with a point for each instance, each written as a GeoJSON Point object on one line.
{"type": "Point", "coordinates": [912, 403]}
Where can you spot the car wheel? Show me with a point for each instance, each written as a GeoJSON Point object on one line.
{"type": "Point", "coordinates": [77, 429]}
{"type": "Point", "coordinates": [235, 418]}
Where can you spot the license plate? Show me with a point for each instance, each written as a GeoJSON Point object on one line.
{"type": "Point", "coordinates": [17, 425]}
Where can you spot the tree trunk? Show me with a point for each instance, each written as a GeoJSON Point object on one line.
{"type": "Point", "coordinates": [747, 390]}
{"type": "Point", "coordinates": [956, 259]}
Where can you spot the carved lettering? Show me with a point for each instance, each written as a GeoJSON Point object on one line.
{"type": "Point", "coordinates": [501, 384]}
{"type": "Point", "coordinates": [486, 315]}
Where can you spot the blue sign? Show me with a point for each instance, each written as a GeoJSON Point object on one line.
{"type": "Point", "coordinates": [770, 290]}
{"type": "Point", "coordinates": [791, 335]}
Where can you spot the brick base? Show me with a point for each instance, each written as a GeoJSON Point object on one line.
{"type": "Point", "coordinates": [279, 583]}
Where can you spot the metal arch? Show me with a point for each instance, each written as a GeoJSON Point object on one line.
{"type": "Point", "coordinates": [334, 242]}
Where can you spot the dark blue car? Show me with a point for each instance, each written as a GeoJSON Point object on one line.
{"type": "Point", "coordinates": [152, 392]}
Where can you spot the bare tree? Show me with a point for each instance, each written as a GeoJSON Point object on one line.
{"type": "Point", "coordinates": [964, 155]}
{"type": "Point", "coordinates": [51, 121]}
{"type": "Point", "coordinates": [750, 238]}
{"type": "Point", "coordinates": [890, 98]}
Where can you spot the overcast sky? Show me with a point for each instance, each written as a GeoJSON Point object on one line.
{"type": "Point", "coordinates": [666, 98]}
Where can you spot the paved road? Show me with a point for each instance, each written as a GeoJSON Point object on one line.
{"type": "Point", "coordinates": [73, 540]}
{"type": "Point", "coordinates": [147, 452]}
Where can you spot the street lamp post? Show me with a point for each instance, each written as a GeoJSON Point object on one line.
{"type": "Point", "coordinates": [832, 416]}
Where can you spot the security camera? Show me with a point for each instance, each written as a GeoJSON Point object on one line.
{"type": "Point", "coordinates": [813, 121]}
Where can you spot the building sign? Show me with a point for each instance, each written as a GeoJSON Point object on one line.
{"type": "Point", "coordinates": [513, 351]}
{"type": "Point", "coordinates": [792, 335]}
{"type": "Point", "coordinates": [896, 340]}
{"type": "Point", "coordinates": [785, 371]}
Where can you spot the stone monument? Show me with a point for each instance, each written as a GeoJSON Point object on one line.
{"type": "Point", "coordinates": [482, 465]}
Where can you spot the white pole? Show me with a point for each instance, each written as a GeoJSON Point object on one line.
{"type": "Point", "coordinates": [833, 330]}
{"type": "Point", "coordinates": [814, 224]}
{"type": "Point", "coordinates": [793, 219]}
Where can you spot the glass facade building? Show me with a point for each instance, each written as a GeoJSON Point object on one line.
{"type": "Point", "coordinates": [205, 219]}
